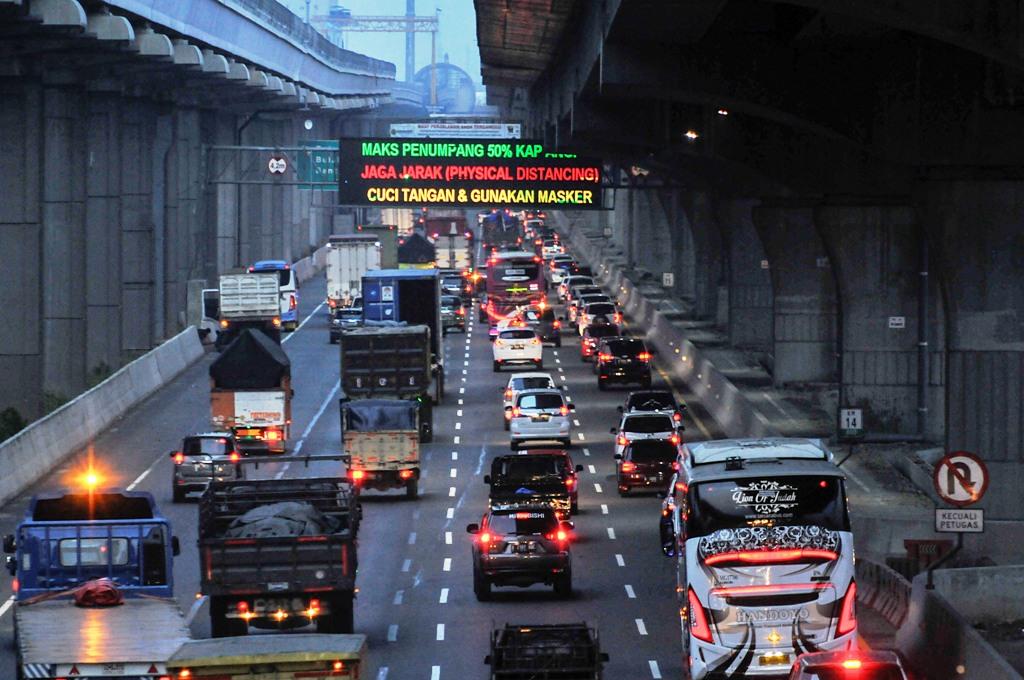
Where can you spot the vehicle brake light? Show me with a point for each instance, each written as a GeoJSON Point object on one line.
{"type": "Point", "coordinates": [516, 411]}
{"type": "Point", "coordinates": [405, 474]}
{"type": "Point", "coordinates": [277, 322]}
{"type": "Point", "coordinates": [570, 482]}
{"type": "Point", "coordinates": [273, 435]}
{"type": "Point", "coordinates": [674, 439]}
{"type": "Point", "coordinates": [677, 416]}
{"type": "Point", "coordinates": [242, 607]}
{"type": "Point", "coordinates": [621, 441]}
{"type": "Point", "coordinates": [628, 466]}
{"type": "Point", "coordinates": [332, 303]}
{"type": "Point", "coordinates": [557, 324]}
{"type": "Point", "coordinates": [564, 410]}
{"type": "Point", "coordinates": [358, 474]}
{"type": "Point", "coordinates": [852, 664]}
{"type": "Point", "coordinates": [771, 556]}
{"type": "Point", "coordinates": [179, 458]}
{"type": "Point", "coordinates": [675, 465]}
{"type": "Point", "coordinates": [460, 311]}
{"type": "Point", "coordinates": [292, 302]}
{"type": "Point", "coordinates": [698, 620]}
{"type": "Point", "coordinates": [848, 615]}
{"type": "Point", "coordinates": [508, 394]}
{"type": "Point", "coordinates": [234, 456]}
{"type": "Point", "coordinates": [224, 323]}
{"type": "Point", "coordinates": [485, 538]}
{"type": "Point", "coordinates": [604, 357]}
{"type": "Point", "coordinates": [561, 535]}
{"type": "Point", "coordinates": [618, 317]}
{"type": "Point", "coordinates": [644, 356]}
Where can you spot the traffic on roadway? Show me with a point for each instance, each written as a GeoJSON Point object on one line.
{"type": "Point", "coordinates": [427, 480]}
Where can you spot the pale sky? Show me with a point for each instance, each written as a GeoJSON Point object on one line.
{"type": "Point", "coordinates": [457, 34]}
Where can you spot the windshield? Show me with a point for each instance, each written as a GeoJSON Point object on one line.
{"type": "Point", "coordinates": [450, 301]}
{"type": "Point", "coordinates": [798, 500]}
{"type": "Point", "coordinates": [648, 424]}
{"type": "Point", "coordinates": [519, 384]}
{"type": "Point", "coordinates": [524, 270]}
{"type": "Point", "coordinates": [652, 401]}
{"type": "Point", "coordinates": [516, 335]}
{"type": "Point", "coordinates": [523, 523]}
{"type": "Point", "coordinates": [651, 451]}
{"type": "Point", "coordinates": [600, 308]}
{"type": "Point", "coordinates": [211, 446]}
{"type": "Point", "coordinates": [350, 313]}
{"type": "Point", "coordinates": [625, 348]}
{"type": "Point", "coordinates": [529, 468]}
{"type": "Point", "coordinates": [601, 331]}
{"type": "Point", "coordinates": [540, 401]}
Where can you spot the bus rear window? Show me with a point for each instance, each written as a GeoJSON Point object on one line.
{"type": "Point", "coordinates": [516, 271]}
{"type": "Point", "coordinates": [804, 500]}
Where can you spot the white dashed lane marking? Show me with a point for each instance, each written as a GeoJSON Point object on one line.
{"type": "Point", "coordinates": [597, 487]}
{"type": "Point", "coordinates": [604, 509]}
{"type": "Point", "coordinates": [655, 671]}
{"type": "Point", "coordinates": [447, 565]}
{"type": "Point", "coordinates": [393, 632]}
{"type": "Point", "coordinates": [455, 455]}
{"type": "Point", "coordinates": [451, 492]}
{"type": "Point", "coordinates": [412, 538]}
{"type": "Point", "coordinates": [443, 599]}
{"type": "Point", "coordinates": [629, 592]}
{"type": "Point", "coordinates": [398, 597]}
{"type": "Point", "coordinates": [640, 627]}
{"type": "Point", "coordinates": [619, 560]}
{"type": "Point", "coordinates": [454, 472]}
{"type": "Point", "coordinates": [450, 514]}
{"type": "Point", "coordinates": [435, 671]}
{"type": "Point", "coordinates": [447, 538]}
{"type": "Point", "coordinates": [611, 533]}
{"type": "Point", "coordinates": [592, 469]}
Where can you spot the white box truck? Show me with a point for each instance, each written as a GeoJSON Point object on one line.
{"type": "Point", "coordinates": [349, 257]}
{"type": "Point", "coordinates": [249, 300]}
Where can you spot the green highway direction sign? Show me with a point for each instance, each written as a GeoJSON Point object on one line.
{"type": "Point", "coordinates": [319, 165]}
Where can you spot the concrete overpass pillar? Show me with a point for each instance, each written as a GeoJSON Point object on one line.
{"type": "Point", "coordinates": [804, 304]}
{"type": "Point", "coordinates": [978, 242]}
{"type": "Point", "coordinates": [138, 131]}
{"type": "Point", "coordinates": [707, 253]}
{"type": "Point", "coordinates": [750, 285]}
{"type": "Point", "coordinates": [64, 243]}
{"type": "Point", "coordinates": [875, 252]}
{"type": "Point", "coordinates": [21, 295]}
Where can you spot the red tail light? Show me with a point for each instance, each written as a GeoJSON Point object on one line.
{"type": "Point", "coordinates": [628, 466]}
{"type": "Point", "coordinates": [536, 258]}
{"type": "Point", "coordinates": [557, 324]}
{"type": "Point", "coordinates": [516, 411]}
{"type": "Point", "coordinates": [460, 311]}
{"type": "Point", "coordinates": [677, 416]}
{"type": "Point", "coordinates": [621, 441]}
{"type": "Point", "coordinates": [675, 465]}
{"type": "Point", "coordinates": [292, 302]}
{"type": "Point", "coordinates": [618, 317]}
{"type": "Point", "coordinates": [405, 474]}
{"type": "Point", "coordinates": [564, 411]}
{"type": "Point", "coordinates": [508, 394]}
{"type": "Point", "coordinates": [561, 535]}
{"type": "Point", "coordinates": [179, 458]}
{"type": "Point", "coordinates": [272, 435]}
{"type": "Point", "coordinates": [644, 356]}
{"type": "Point", "coordinates": [848, 614]}
{"type": "Point", "coordinates": [358, 474]}
{"type": "Point", "coordinates": [699, 627]}
{"type": "Point", "coordinates": [485, 538]}
{"type": "Point", "coordinates": [570, 482]}
{"type": "Point", "coordinates": [604, 357]}
{"type": "Point", "coordinates": [674, 439]}
{"type": "Point", "coordinates": [771, 556]}
{"type": "Point", "coordinates": [234, 457]}
{"type": "Point", "coordinates": [332, 303]}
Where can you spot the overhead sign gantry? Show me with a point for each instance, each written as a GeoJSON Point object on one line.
{"type": "Point", "coordinates": [465, 173]}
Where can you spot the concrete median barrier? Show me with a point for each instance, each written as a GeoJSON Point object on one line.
{"type": "Point", "coordinates": [34, 451]}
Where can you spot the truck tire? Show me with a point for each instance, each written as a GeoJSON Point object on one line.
{"type": "Point", "coordinates": [178, 495]}
{"type": "Point", "coordinates": [563, 584]}
{"type": "Point", "coordinates": [495, 366]}
{"type": "Point", "coordinates": [341, 619]}
{"type": "Point", "coordinates": [220, 624]}
{"type": "Point", "coordinates": [558, 341]}
{"type": "Point", "coordinates": [412, 489]}
{"type": "Point", "coordinates": [481, 587]}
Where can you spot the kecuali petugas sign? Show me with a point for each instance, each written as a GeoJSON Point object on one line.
{"type": "Point", "coordinates": [465, 173]}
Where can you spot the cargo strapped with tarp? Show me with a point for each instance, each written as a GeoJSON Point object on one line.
{"type": "Point", "coordinates": [251, 362]}
{"type": "Point", "coordinates": [379, 415]}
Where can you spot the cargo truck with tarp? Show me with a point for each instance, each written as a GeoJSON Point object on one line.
{"type": "Point", "coordinates": [272, 657]}
{"type": "Point", "coordinates": [279, 553]}
{"type": "Point", "coordinates": [380, 440]}
{"type": "Point", "coordinates": [416, 252]}
{"type": "Point", "coordinates": [392, 362]}
{"type": "Point", "coordinates": [250, 391]}
{"type": "Point", "coordinates": [93, 594]}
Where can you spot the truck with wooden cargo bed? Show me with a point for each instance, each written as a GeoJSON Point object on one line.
{"type": "Point", "coordinates": [380, 441]}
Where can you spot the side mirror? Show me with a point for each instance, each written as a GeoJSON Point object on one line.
{"type": "Point", "coordinates": [579, 468]}
{"type": "Point", "coordinates": [472, 528]}
{"type": "Point", "coordinates": [619, 409]}
{"type": "Point", "coordinates": [9, 544]}
{"type": "Point", "coordinates": [668, 539]}
{"type": "Point", "coordinates": [487, 479]}
{"type": "Point", "coordinates": [175, 546]}
{"type": "Point", "coordinates": [613, 430]}
{"type": "Point", "coordinates": [618, 456]}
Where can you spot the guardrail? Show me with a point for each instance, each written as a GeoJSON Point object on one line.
{"type": "Point", "coordinates": [883, 590]}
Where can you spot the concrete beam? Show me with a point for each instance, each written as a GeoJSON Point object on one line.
{"type": "Point", "coordinates": [238, 71]}
{"type": "Point", "coordinates": [110, 27]}
{"type": "Point", "coordinates": [186, 54]}
{"type": "Point", "coordinates": [215, 64]}
{"type": "Point", "coordinates": [62, 13]}
{"type": "Point", "coordinates": [149, 43]}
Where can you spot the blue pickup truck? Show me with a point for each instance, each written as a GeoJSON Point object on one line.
{"type": "Point", "coordinates": [94, 586]}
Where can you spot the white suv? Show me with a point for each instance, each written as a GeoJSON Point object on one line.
{"type": "Point", "coordinates": [540, 415]}
{"type": "Point", "coordinates": [520, 382]}
{"type": "Point", "coordinates": [636, 426]}
{"type": "Point", "coordinates": [517, 346]}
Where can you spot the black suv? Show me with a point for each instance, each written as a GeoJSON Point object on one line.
{"type": "Point", "coordinates": [536, 477]}
{"type": "Point", "coordinates": [624, 360]}
{"type": "Point", "coordinates": [646, 463]}
{"type": "Point", "coordinates": [654, 401]}
{"type": "Point", "coordinates": [520, 548]}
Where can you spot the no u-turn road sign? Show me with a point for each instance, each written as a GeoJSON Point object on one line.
{"type": "Point", "coordinates": [960, 478]}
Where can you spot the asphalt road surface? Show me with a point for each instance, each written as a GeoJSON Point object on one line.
{"type": "Point", "coordinates": [416, 601]}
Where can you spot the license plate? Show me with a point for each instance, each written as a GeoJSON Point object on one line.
{"type": "Point", "coordinates": [653, 479]}
{"type": "Point", "coordinates": [523, 548]}
{"type": "Point", "coordinates": [113, 668]}
{"type": "Point", "coordinates": [774, 659]}
{"type": "Point", "coordinates": [542, 418]}
{"type": "Point", "coordinates": [277, 586]}
{"type": "Point", "coordinates": [248, 433]}
{"type": "Point", "coordinates": [518, 346]}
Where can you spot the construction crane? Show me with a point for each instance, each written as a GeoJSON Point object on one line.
{"type": "Point", "coordinates": [340, 20]}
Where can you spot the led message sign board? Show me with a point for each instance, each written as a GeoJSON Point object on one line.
{"type": "Point", "coordinates": [465, 173]}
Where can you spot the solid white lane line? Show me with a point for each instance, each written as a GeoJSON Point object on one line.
{"type": "Point", "coordinates": [6, 606]}
{"type": "Point", "coordinates": [299, 327]}
{"type": "Point", "coordinates": [450, 514]}
{"type": "Point", "coordinates": [597, 487]}
{"type": "Point", "coordinates": [655, 671]}
{"type": "Point", "coordinates": [592, 469]}
{"type": "Point", "coordinates": [629, 592]}
{"type": "Point", "coordinates": [447, 566]}
{"type": "Point", "coordinates": [611, 533]}
{"type": "Point", "coordinates": [641, 628]}
{"type": "Point", "coordinates": [412, 538]}
{"type": "Point", "coordinates": [451, 492]}
{"type": "Point", "coordinates": [604, 509]}
{"type": "Point", "coordinates": [619, 560]}
{"type": "Point", "coordinates": [398, 597]}
{"type": "Point", "coordinates": [448, 538]}
{"type": "Point", "coordinates": [443, 599]}
{"type": "Point", "coordinates": [393, 632]}
{"type": "Point", "coordinates": [454, 472]}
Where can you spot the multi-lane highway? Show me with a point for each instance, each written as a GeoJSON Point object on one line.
{"type": "Point", "coordinates": [416, 601]}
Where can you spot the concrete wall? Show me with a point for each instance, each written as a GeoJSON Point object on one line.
{"type": "Point", "coordinates": [108, 214]}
